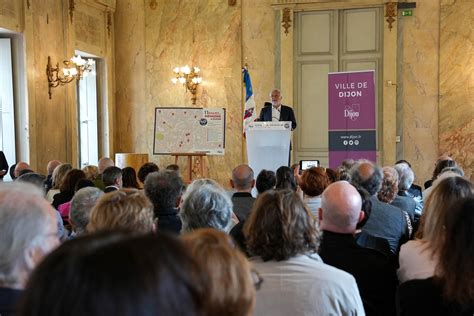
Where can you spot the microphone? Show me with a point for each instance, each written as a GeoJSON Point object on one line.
{"type": "Point", "coordinates": [267, 104]}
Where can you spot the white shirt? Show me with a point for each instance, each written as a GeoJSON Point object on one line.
{"type": "Point", "coordinates": [304, 285]}
{"type": "Point", "coordinates": [416, 261]}
{"type": "Point", "coordinates": [276, 113]}
{"type": "Point", "coordinates": [313, 204]}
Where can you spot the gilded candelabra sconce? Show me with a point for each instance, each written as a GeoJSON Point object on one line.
{"type": "Point", "coordinates": [189, 78]}
{"type": "Point", "coordinates": [75, 68]}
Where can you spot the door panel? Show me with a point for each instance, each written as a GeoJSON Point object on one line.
{"type": "Point", "coordinates": [330, 41]}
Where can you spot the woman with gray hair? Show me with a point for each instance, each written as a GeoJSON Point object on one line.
{"type": "Point", "coordinates": [206, 205]}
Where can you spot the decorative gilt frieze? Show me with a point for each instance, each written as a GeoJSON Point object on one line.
{"type": "Point", "coordinates": [390, 13]}
{"type": "Point", "coordinates": [286, 20]}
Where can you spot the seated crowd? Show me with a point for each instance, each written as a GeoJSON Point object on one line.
{"type": "Point", "coordinates": [358, 240]}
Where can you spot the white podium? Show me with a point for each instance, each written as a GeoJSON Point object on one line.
{"type": "Point", "coordinates": [268, 145]}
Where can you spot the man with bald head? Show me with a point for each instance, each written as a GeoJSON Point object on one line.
{"type": "Point", "coordinates": [386, 221]}
{"type": "Point", "coordinates": [20, 167]}
{"type": "Point", "coordinates": [374, 273]}
{"type": "Point", "coordinates": [103, 164]}
{"type": "Point", "coordinates": [242, 182]}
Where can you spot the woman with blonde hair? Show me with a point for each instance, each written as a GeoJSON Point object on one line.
{"type": "Point", "coordinates": [125, 209]}
{"type": "Point", "coordinates": [58, 175]}
{"type": "Point", "coordinates": [91, 171]}
{"type": "Point", "coordinates": [230, 289]}
{"type": "Point", "coordinates": [418, 258]}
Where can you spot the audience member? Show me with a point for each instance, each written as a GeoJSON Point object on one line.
{"type": "Point", "coordinates": [28, 231]}
{"type": "Point", "coordinates": [92, 172]}
{"type": "Point", "coordinates": [414, 189]}
{"type": "Point", "coordinates": [103, 164]}
{"type": "Point", "coordinates": [206, 205]}
{"type": "Point", "coordinates": [65, 208]}
{"type": "Point", "coordinates": [444, 173]}
{"type": "Point", "coordinates": [386, 221]}
{"type": "Point", "coordinates": [230, 289]}
{"type": "Point", "coordinates": [20, 167]}
{"type": "Point", "coordinates": [406, 177]}
{"type": "Point", "coordinates": [331, 174]}
{"type": "Point", "coordinates": [68, 184]}
{"type": "Point", "coordinates": [242, 182]}
{"type": "Point", "coordinates": [145, 170]}
{"type": "Point", "coordinates": [442, 162]}
{"type": "Point", "coordinates": [364, 239]}
{"type": "Point", "coordinates": [419, 257]}
{"type": "Point", "coordinates": [313, 182]}
{"type": "Point", "coordinates": [81, 206]}
{"type": "Point", "coordinates": [173, 167]}
{"type": "Point", "coordinates": [164, 189]}
{"type": "Point", "coordinates": [374, 273]}
{"type": "Point", "coordinates": [285, 179]}
{"type": "Point", "coordinates": [284, 237]}
{"type": "Point", "coordinates": [266, 180]}
{"type": "Point", "coordinates": [12, 171]}
{"type": "Point", "coordinates": [3, 165]}
{"type": "Point", "coordinates": [112, 179]}
{"type": "Point", "coordinates": [125, 209]}
{"type": "Point", "coordinates": [129, 178]}
{"type": "Point", "coordinates": [112, 274]}
{"type": "Point", "coordinates": [35, 179]}
{"type": "Point", "coordinates": [388, 193]}
{"type": "Point", "coordinates": [58, 177]}
{"type": "Point", "coordinates": [450, 292]}
{"type": "Point", "coordinates": [52, 164]}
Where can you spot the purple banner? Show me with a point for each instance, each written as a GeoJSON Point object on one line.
{"type": "Point", "coordinates": [351, 98]}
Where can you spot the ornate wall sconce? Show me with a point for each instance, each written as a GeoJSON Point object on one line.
{"type": "Point", "coordinates": [189, 78]}
{"type": "Point", "coordinates": [75, 68]}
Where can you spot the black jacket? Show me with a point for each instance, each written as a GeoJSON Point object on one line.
{"type": "Point", "coordinates": [286, 114]}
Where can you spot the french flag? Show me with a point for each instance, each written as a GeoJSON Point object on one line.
{"type": "Point", "coordinates": [249, 111]}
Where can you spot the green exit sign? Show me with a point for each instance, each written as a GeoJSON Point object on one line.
{"type": "Point", "coordinates": [407, 13]}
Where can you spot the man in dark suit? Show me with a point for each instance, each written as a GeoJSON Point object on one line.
{"type": "Point", "coordinates": [374, 273]}
{"type": "Point", "coordinates": [386, 221]}
{"type": "Point", "coordinates": [242, 182]}
{"type": "Point", "coordinates": [277, 112]}
{"type": "Point", "coordinates": [112, 178]}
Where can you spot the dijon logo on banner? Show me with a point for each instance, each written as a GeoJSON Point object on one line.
{"type": "Point", "coordinates": [352, 112]}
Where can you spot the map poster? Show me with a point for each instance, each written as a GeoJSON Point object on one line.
{"type": "Point", "coordinates": [351, 102]}
{"type": "Point", "coordinates": [189, 130]}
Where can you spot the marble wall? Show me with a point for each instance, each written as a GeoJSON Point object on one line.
{"type": "Point", "coordinates": [417, 91]}
{"type": "Point", "coordinates": [456, 82]}
{"type": "Point", "coordinates": [151, 41]}
{"type": "Point", "coordinates": [154, 40]}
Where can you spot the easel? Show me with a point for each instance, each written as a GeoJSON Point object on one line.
{"type": "Point", "coordinates": [197, 168]}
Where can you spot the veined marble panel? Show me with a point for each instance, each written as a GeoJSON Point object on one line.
{"type": "Point", "coordinates": [417, 91]}
{"type": "Point", "coordinates": [456, 108]}
{"type": "Point", "coordinates": [198, 33]}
